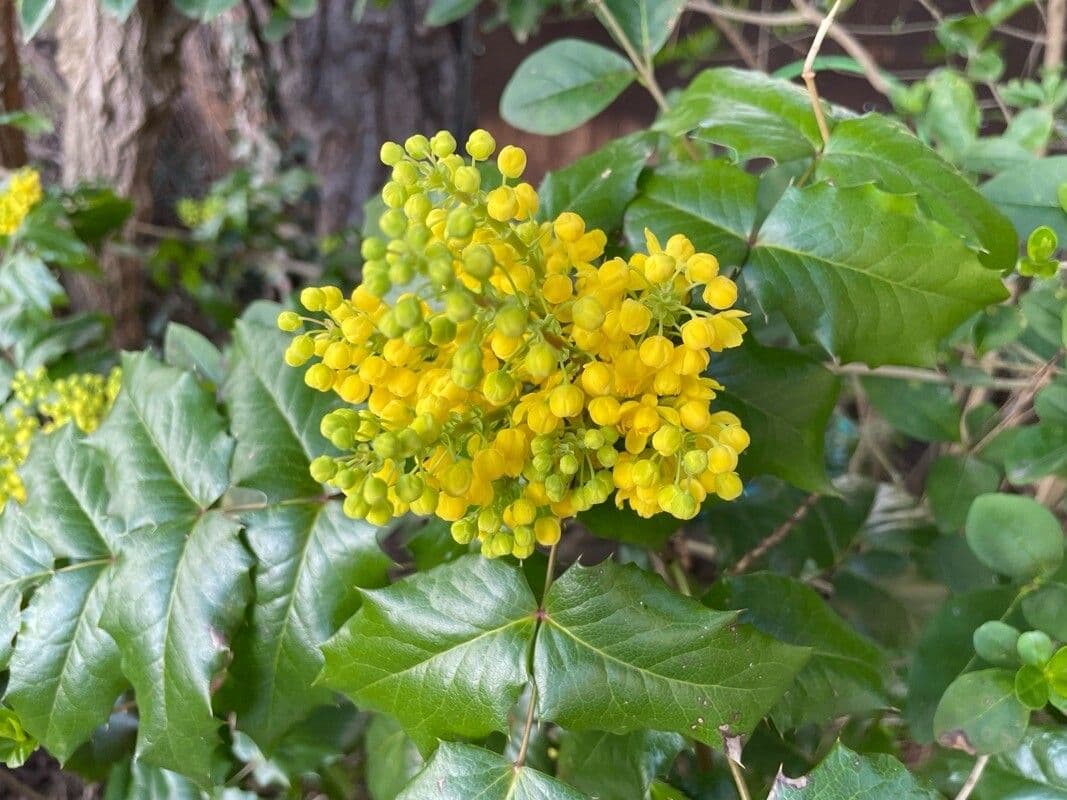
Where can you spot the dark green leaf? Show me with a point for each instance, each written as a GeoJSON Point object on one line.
{"type": "Point", "coordinates": [876, 148]}
{"type": "Point", "coordinates": [713, 202]}
{"type": "Point", "coordinates": [27, 559]}
{"type": "Point", "coordinates": [997, 642]}
{"type": "Point", "coordinates": [442, 12]}
{"type": "Point", "coordinates": [920, 409]}
{"type": "Point", "coordinates": [1051, 403]}
{"type": "Point", "coordinates": [275, 417]}
{"type": "Point", "coordinates": [610, 767]}
{"type": "Point", "coordinates": [1036, 451]}
{"type": "Point", "coordinates": [861, 273]}
{"type": "Point", "coordinates": [752, 114]}
{"type": "Point", "coordinates": [167, 444]}
{"type": "Point", "coordinates": [443, 651]}
{"type": "Point", "coordinates": [1014, 535]}
{"type": "Point", "coordinates": [310, 562]}
{"type": "Point", "coordinates": [608, 521]}
{"type": "Point", "coordinates": [1046, 607]}
{"type": "Point", "coordinates": [562, 85]}
{"type": "Point", "coordinates": [136, 780]}
{"type": "Point", "coordinates": [953, 483]}
{"type": "Point", "coordinates": [598, 186]}
{"type": "Point", "coordinates": [392, 758]}
{"type": "Point", "coordinates": [785, 400]}
{"type": "Point", "coordinates": [431, 544]}
{"type": "Point", "coordinates": [646, 24]}
{"type": "Point", "coordinates": [980, 713]}
{"type": "Point", "coordinates": [845, 775]}
{"type": "Point", "coordinates": [618, 651]}
{"type": "Point", "coordinates": [1028, 194]}
{"type": "Point", "coordinates": [177, 594]}
{"type": "Point", "coordinates": [28, 122]}
{"type": "Point", "coordinates": [944, 651]}
{"type": "Point", "coordinates": [846, 673]}
{"type": "Point", "coordinates": [464, 772]}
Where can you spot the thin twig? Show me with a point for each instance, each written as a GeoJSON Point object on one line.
{"type": "Point", "coordinates": [775, 18]}
{"type": "Point", "coordinates": [776, 536]}
{"type": "Point", "coordinates": [973, 778]}
{"type": "Point", "coordinates": [1056, 21]}
{"type": "Point", "coordinates": [737, 41]}
{"type": "Point", "coordinates": [739, 779]}
{"type": "Point", "coordinates": [849, 43]}
{"type": "Point", "coordinates": [918, 374]}
{"type": "Point", "coordinates": [809, 67]}
{"type": "Point", "coordinates": [1015, 410]}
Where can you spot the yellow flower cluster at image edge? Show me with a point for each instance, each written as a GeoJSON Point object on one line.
{"type": "Point", "coordinates": [23, 192]}
{"type": "Point", "coordinates": [503, 374]}
{"type": "Point", "coordinates": [42, 405]}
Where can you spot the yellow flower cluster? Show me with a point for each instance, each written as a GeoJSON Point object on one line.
{"type": "Point", "coordinates": [42, 405]}
{"type": "Point", "coordinates": [23, 192]}
{"type": "Point", "coordinates": [506, 374]}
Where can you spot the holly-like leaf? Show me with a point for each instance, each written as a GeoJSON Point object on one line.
{"type": "Point", "coordinates": [919, 409]}
{"type": "Point", "coordinates": [392, 758]}
{"type": "Point", "coordinates": [980, 713]}
{"type": "Point", "coordinates": [168, 449]}
{"type": "Point", "coordinates": [953, 483]}
{"type": "Point", "coordinates": [65, 674]}
{"type": "Point", "coordinates": [177, 594]}
{"type": "Point", "coordinates": [598, 186]}
{"type": "Point", "coordinates": [845, 775]}
{"type": "Point", "coordinates": [714, 202]}
{"type": "Point", "coordinates": [846, 673]}
{"type": "Point", "coordinates": [275, 416]}
{"type": "Point", "coordinates": [749, 112]}
{"type": "Point", "coordinates": [646, 24]}
{"type": "Point", "coordinates": [1028, 194]}
{"type": "Point", "coordinates": [874, 148]}
{"type": "Point", "coordinates": [443, 651]}
{"type": "Point", "coordinates": [310, 562]}
{"type": "Point", "coordinates": [27, 559]}
{"type": "Point", "coordinates": [608, 521]}
{"type": "Point", "coordinates": [618, 651]}
{"type": "Point", "coordinates": [562, 85]}
{"type": "Point", "coordinates": [861, 273]}
{"type": "Point", "coordinates": [612, 767]}
{"type": "Point", "coordinates": [463, 772]}
{"type": "Point", "coordinates": [784, 400]}
{"type": "Point", "coordinates": [135, 780]}
{"type": "Point", "coordinates": [187, 349]}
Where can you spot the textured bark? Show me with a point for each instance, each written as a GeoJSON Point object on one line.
{"type": "Point", "coordinates": [346, 86]}
{"type": "Point", "coordinates": [12, 140]}
{"type": "Point", "coordinates": [122, 81]}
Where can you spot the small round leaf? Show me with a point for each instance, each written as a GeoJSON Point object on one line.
{"type": "Point", "coordinates": [1014, 535]}
{"type": "Point", "coordinates": [980, 713]}
{"type": "Point", "coordinates": [1031, 687]}
{"type": "Point", "coordinates": [1056, 670]}
{"type": "Point", "coordinates": [995, 642]}
{"type": "Point", "coordinates": [1035, 648]}
{"type": "Point", "coordinates": [1046, 609]}
{"type": "Point", "coordinates": [1041, 243]}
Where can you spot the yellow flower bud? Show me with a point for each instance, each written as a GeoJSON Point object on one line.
{"type": "Point", "coordinates": [568, 227]}
{"type": "Point", "coordinates": [480, 145]}
{"type": "Point", "coordinates": [656, 351]}
{"type": "Point", "coordinates": [720, 292]}
{"type": "Point", "coordinates": [511, 161]}
{"type": "Point", "coordinates": [701, 268]}
{"type": "Point", "coordinates": [547, 530]}
{"type": "Point", "coordinates": [728, 486]}
{"type": "Point", "coordinates": [596, 379]}
{"type": "Point", "coordinates": [566, 400]}
{"type": "Point", "coordinates": [588, 313]}
{"type": "Point", "coordinates": [557, 289]}
{"type": "Point", "coordinates": [501, 204]}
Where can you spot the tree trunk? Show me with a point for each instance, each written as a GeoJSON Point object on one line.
{"type": "Point", "coordinates": [346, 86]}
{"type": "Point", "coordinates": [12, 140]}
{"type": "Point", "coordinates": [122, 81]}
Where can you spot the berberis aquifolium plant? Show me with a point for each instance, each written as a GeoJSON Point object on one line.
{"type": "Point", "coordinates": [727, 463]}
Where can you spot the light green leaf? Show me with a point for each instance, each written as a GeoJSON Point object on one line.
{"type": "Point", "coordinates": [646, 24]}
{"type": "Point", "coordinates": [1046, 607]}
{"type": "Point", "coordinates": [27, 559]}
{"type": "Point", "coordinates": [784, 400]}
{"type": "Point", "coordinates": [876, 148]}
{"type": "Point", "coordinates": [187, 349]}
{"type": "Point", "coordinates": [33, 14]}
{"type": "Point", "coordinates": [275, 416]}
{"type": "Point", "coordinates": [944, 651]}
{"type": "Point", "coordinates": [443, 651]}
{"type": "Point", "coordinates": [26, 280]}
{"type": "Point", "coordinates": [392, 758]}
{"type": "Point", "coordinates": [618, 651]}
{"type": "Point", "coordinates": [752, 114]}
{"type": "Point", "coordinates": [953, 483]}
{"type": "Point", "coordinates": [464, 772]}
{"type": "Point", "coordinates": [598, 186]}
{"type": "Point", "coordinates": [608, 521]}
{"type": "Point", "coordinates": [845, 775]}
{"type": "Point", "coordinates": [206, 10]}
{"type": "Point", "coordinates": [178, 592]}
{"type": "Point", "coordinates": [65, 674]}
{"type": "Point", "coordinates": [920, 409]}
{"type": "Point", "coordinates": [861, 273]}
{"type": "Point", "coordinates": [442, 12]}
{"type": "Point", "coordinates": [1036, 451]}
{"type": "Point", "coordinates": [311, 561]}
{"type": "Point", "coordinates": [712, 202]}
{"type": "Point", "coordinates": [612, 767]}
{"type": "Point", "coordinates": [1028, 194]}
{"type": "Point", "coordinates": [135, 780]}
{"type": "Point", "coordinates": [166, 442]}
{"type": "Point", "coordinates": [980, 713]}
{"type": "Point", "coordinates": [951, 117]}
{"type": "Point", "coordinates": [846, 673]}
{"type": "Point", "coordinates": [562, 85]}
{"type": "Point", "coordinates": [1014, 535]}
